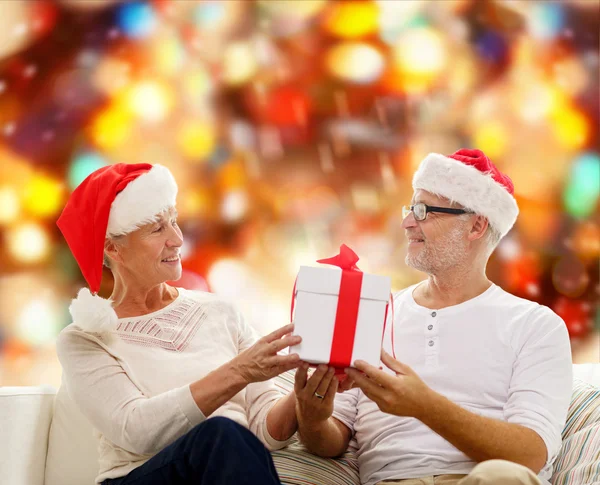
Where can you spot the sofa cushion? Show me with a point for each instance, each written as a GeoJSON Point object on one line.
{"type": "Point", "coordinates": [584, 409]}
{"type": "Point", "coordinates": [72, 446]}
{"type": "Point", "coordinates": [297, 466]}
{"type": "Point", "coordinates": [578, 462]}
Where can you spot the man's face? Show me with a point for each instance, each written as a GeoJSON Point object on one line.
{"type": "Point", "coordinates": [150, 255]}
{"type": "Point", "coordinates": [439, 242]}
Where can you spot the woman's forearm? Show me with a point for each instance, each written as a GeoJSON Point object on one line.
{"type": "Point", "coordinates": [216, 388]}
{"type": "Point", "coordinates": [281, 420]}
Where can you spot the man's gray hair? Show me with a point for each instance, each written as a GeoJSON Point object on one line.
{"type": "Point", "coordinates": [492, 234]}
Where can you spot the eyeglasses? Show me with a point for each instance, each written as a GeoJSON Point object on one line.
{"type": "Point", "coordinates": [420, 211]}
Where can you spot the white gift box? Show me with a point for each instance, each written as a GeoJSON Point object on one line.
{"type": "Point", "coordinates": [317, 292]}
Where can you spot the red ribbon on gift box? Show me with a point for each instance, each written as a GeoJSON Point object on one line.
{"type": "Point", "coordinates": [347, 309]}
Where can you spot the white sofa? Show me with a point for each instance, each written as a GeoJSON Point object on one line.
{"type": "Point", "coordinates": [44, 440]}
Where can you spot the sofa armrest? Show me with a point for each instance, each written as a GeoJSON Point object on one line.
{"type": "Point", "coordinates": [25, 417]}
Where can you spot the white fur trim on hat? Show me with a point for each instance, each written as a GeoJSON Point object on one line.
{"type": "Point", "coordinates": [142, 200]}
{"type": "Point", "coordinates": [474, 190]}
{"type": "Point", "coordinates": [93, 313]}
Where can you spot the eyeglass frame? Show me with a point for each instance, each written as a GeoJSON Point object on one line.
{"type": "Point", "coordinates": [406, 209]}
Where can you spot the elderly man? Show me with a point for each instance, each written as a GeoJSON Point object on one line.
{"type": "Point", "coordinates": [481, 388]}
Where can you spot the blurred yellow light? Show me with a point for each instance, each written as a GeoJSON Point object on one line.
{"type": "Point", "coordinates": [28, 243]}
{"type": "Point", "coordinates": [195, 202]}
{"type": "Point", "coordinates": [196, 139]}
{"type": "Point", "coordinates": [225, 274]}
{"type": "Point", "coordinates": [15, 30]}
{"type": "Point", "coordinates": [197, 84]}
{"type": "Point", "coordinates": [356, 62]}
{"type": "Point", "coordinates": [39, 322]}
{"type": "Point", "coordinates": [420, 51]}
{"type": "Point", "coordinates": [492, 138]}
{"type": "Point", "coordinates": [111, 127]}
{"type": "Point", "coordinates": [419, 58]}
{"type": "Point", "coordinates": [111, 75]}
{"type": "Point", "coordinates": [239, 63]}
{"type": "Point", "coordinates": [462, 77]}
{"type": "Point", "coordinates": [535, 100]}
{"type": "Point", "coordinates": [234, 206]}
{"type": "Point", "coordinates": [571, 127]}
{"type": "Point", "coordinates": [537, 223]}
{"type": "Point", "coordinates": [42, 196]}
{"type": "Point", "coordinates": [300, 256]}
{"type": "Point", "coordinates": [293, 8]}
{"type": "Point", "coordinates": [352, 19]}
{"type": "Point", "coordinates": [150, 100]}
{"type": "Point", "coordinates": [15, 171]}
{"type": "Point", "coordinates": [9, 205]}
{"type": "Point", "coordinates": [571, 75]}
{"type": "Point", "coordinates": [586, 240]}
{"type": "Point", "coordinates": [168, 54]}
{"type": "Point", "coordinates": [232, 175]}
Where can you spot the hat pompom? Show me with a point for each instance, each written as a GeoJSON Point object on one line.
{"type": "Point", "coordinates": [93, 313]}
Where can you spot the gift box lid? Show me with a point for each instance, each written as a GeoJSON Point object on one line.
{"type": "Point", "coordinates": [327, 281]}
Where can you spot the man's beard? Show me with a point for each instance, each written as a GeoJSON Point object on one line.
{"type": "Point", "coordinates": [449, 251]}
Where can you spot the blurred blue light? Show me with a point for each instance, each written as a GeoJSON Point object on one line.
{"type": "Point", "coordinates": [82, 166]}
{"type": "Point", "coordinates": [547, 20]}
{"type": "Point", "coordinates": [392, 30]}
{"type": "Point", "coordinates": [136, 19]}
{"type": "Point", "coordinates": [583, 190]}
{"type": "Point", "coordinates": [207, 14]}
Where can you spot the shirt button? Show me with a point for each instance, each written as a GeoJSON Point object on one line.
{"type": "Point", "coordinates": [433, 314]}
{"type": "Point", "coordinates": [429, 327]}
{"type": "Point", "coordinates": [431, 343]}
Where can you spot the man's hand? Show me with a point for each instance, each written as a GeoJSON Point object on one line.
{"type": "Point", "coordinates": [315, 394]}
{"type": "Point", "coordinates": [404, 394]}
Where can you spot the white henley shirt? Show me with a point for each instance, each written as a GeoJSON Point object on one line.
{"type": "Point", "coordinates": [497, 355]}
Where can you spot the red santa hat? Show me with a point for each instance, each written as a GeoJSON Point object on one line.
{"type": "Point", "coordinates": [471, 179]}
{"type": "Point", "coordinates": [114, 200]}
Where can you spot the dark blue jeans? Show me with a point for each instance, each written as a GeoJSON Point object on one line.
{"type": "Point", "coordinates": [216, 452]}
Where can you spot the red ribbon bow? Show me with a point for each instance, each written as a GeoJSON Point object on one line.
{"type": "Point", "coordinates": [347, 259]}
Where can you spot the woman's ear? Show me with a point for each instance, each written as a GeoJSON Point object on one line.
{"type": "Point", "coordinates": [111, 250]}
{"type": "Point", "coordinates": [480, 225]}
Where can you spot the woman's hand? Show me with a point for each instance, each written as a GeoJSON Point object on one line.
{"type": "Point", "coordinates": [261, 361]}
{"type": "Point", "coordinates": [315, 394]}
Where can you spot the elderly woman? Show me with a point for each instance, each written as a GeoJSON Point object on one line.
{"type": "Point", "coordinates": [150, 365]}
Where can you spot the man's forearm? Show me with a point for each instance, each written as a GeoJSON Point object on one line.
{"type": "Point", "coordinates": [281, 420]}
{"type": "Point", "coordinates": [326, 438]}
{"type": "Point", "coordinates": [482, 438]}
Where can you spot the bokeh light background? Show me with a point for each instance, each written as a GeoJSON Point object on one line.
{"type": "Point", "coordinates": [291, 127]}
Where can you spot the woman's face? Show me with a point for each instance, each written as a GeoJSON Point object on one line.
{"type": "Point", "coordinates": [150, 255]}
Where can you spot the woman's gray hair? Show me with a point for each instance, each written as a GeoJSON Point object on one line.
{"type": "Point", "coordinates": [115, 240]}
